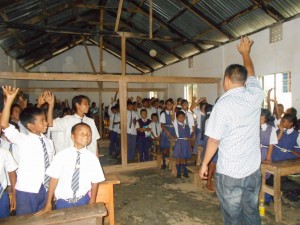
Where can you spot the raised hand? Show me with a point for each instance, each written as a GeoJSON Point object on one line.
{"type": "Point", "coordinates": [49, 97]}
{"type": "Point", "coordinates": [202, 99]}
{"type": "Point", "coordinates": [41, 100]}
{"type": "Point", "coordinates": [245, 45]}
{"type": "Point", "coordinates": [10, 93]}
{"type": "Point", "coordinates": [22, 102]}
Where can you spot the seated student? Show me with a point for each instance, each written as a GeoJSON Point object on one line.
{"type": "Point", "coordinates": [268, 137]}
{"type": "Point", "coordinates": [36, 151]}
{"type": "Point", "coordinates": [74, 182]}
{"type": "Point", "coordinates": [182, 148]}
{"type": "Point", "coordinates": [143, 135]}
{"type": "Point", "coordinates": [7, 164]}
{"type": "Point", "coordinates": [155, 131]}
{"type": "Point", "coordinates": [168, 133]}
{"type": "Point", "coordinates": [288, 139]}
{"type": "Point", "coordinates": [80, 104]}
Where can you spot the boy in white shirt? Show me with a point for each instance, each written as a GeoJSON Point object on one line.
{"type": "Point", "coordinates": [74, 181]}
{"type": "Point", "coordinates": [7, 164]}
{"type": "Point", "coordinates": [36, 151]}
{"type": "Point", "coordinates": [155, 131]}
{"type": "Point", "coordinates": [114, 127]}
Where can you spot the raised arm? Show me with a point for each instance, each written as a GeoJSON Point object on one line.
{"type": "Point", "coordinates": [49, 98]}
{"type": "Point", "coordinates": [244, 48]}
{"type": "Point", "coordinates": [196, 102]}
{"type": "Point", "coordinates": [10, 93]}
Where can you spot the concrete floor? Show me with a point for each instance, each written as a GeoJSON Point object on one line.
{"type": "Point", "coordinates": [153, 197]}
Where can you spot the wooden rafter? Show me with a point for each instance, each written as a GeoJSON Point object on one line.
{"type": "Point", "coordinates": [118, 15]}
{"type": "Point", "coordinates": [267, 8]}
{"type": "Point", "coordinates": [203, 17]}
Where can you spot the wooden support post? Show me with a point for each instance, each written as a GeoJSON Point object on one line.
{"type": "Point", "coordinates": [89, 56]}
{"type": "Point", "coordinates": [118, 15]}
{"type": "Point", "coordinates": [100, 83]}
{"type": "Point", "coordinates": [123, 55]}
{"type": "Point", "coordinates": [150, 19]}
{"type": "Point", "coordinates": [123, 112]}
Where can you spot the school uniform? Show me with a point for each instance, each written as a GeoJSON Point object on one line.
{"type": "Point", "coordinates": [149, 112]}
{"type": "Point", "coordinates": [131, 133]}
{"type": "Point", "coordinates": [157, 111]}
{"type": "Point", "coordinates": [143, 139]}
{"type": "Point", "coordinates": [114, 144]}
{"type": "Point", "coordinates": [267, 137]}
{"type": "Point", "coordinates": [189, 120]}
{"type": "Point", "coordinates": [156, 132]}
{"type": "Point", "coordinates": [66, 123]}
{"type": "Point", "coordinates": [11, 147]}
{"type": "Point", "coordinates": [89, 171]}
{"type": "Point", "coordinates": [182, 146]}
{"type": "Point", "coordinates": [200, 117]}
{"type": "Point", "coordinates": [30, 190]}
{"type": "Point", "coordinates": [57, 136]}
{"type": "Point", "coordinates": [166, 120]}
{"type": "Point", "coordinates": [290, 138]}
{"type": "Point", "coordinates": [7, 164]}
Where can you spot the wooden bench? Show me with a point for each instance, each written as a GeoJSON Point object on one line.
{"type": "Point", "coordinates": [87, 214]}
{"type": "Point", "coordinates": [106, 195]}
{"type": "Point", "coordinates": [171, 163]}
{"type": "Point", "coordinates": [158, 157]}
{"type": "Point", "coordinates": [195, 171]}
{"type": "Point", "coordinates": [278, 169]}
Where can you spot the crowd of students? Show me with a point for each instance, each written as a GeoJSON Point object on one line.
{"type": "Point", "coordinates": [43, 147]}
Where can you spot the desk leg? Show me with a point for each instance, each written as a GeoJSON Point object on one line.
{"type": "Point", "coordinates": [111, 206]}
{"type": "Point", "coordinates": [277, 196]}
{"type": "Point", "coordinates": [263, 183]}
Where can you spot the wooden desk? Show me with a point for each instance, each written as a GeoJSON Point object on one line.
{"type": "Point", "coordinates": [106, 195]}
{"type": "Point", "coordinates": [87, 214]}
{"type": "Point", "coordinates": [278, 169]}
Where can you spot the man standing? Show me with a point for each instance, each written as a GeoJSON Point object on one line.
{"type": "Point", "coordinates": [234, 129]}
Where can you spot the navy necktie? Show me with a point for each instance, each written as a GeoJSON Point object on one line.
{"type": "Point", "coordinates": [130, 122]}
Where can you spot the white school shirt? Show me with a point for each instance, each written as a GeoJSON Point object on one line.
{"type": "Point", "coordinates": [115, 118]}
{"type": "Point", "coordinates": [58, 138]}
{"type": "Point", "coordinates": [234, 121]}
{"type": "Point", "coordinates": [66, 123]}
{"type": "Point", "coordinates": [154, 110]}
{"type": "Point", "coordinates": [273, 135]}
{"type": "Point", "coordinates": [7, 164]}
{"type": "Point", "coordinates": [22, 128]}
{"type": "Point", "coordinates": [31, 170]}
{"type": "Point", "coordinates": [198, 114]}
{"type": "Point", "coordinates": [131, 130]}
{"type": "Point", "coordinates": [163, 116]}
{"type": "Point", "coordinates": [158, 127]}
{"type": "Point", "coordinates": [189, 119]}
{"type": "Point", "coordinates": [62, 169]}
{"type": "Point", "coordinates": [5, 144]}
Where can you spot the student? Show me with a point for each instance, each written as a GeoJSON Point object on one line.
{"type": "Point", "coordinates": [7, 164]}
{"type": "Point", "coordinates": [74, 181]}
{"type": "Point", "coordinates": [155, 107]}
{"type": "Point", "coordinates": [268, 137]}
{"type": "Point", "coordinates": [155, 131]}
{"type": "Point", "coordinates": [278, 109]}
{"type": "Point", "coordinates": [36, 151]}
{"type": "Point", "coordinates": [182, 146]}
{"type": "Point", "coordinates": [143, 135]}
{"type": "Point", "coordinates": [168, 132]}
{"type": "Point", "coordinates": [145, 105]}
{"type": "Point", "coordinates": [80, 105]}
{"type": "Point", "coordinates": [200, 116]}
{"type": "Point", "coordinates": [15, 118]}
{"type": "Point", "coordinates": [131, 131]}
{"type": "Point", "coordinates": [288, 139]}
{"type": "Point", "coordinates": [189, 119]}
{"type": "Point", "coordinates": [114, 117]}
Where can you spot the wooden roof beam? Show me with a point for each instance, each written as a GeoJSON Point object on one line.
{"type": "Point", "coordinates": [203, 17]}
{"type": "Point", "coordinates": [118, 15]}
{"type": "Point", "coordinates": [74, 89]}
{"type": "Point", "coordinates": [267, 8]}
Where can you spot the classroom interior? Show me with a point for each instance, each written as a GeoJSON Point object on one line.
{"type": "Point", "coordinates": [151, 48]}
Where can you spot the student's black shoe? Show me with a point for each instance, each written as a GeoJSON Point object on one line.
{"type": "Point", "coordinates": [186, 176]}
{"type": "Point", "coordinates": [163, 167]}
{"type": "Point", "coordinates": [178, 176]}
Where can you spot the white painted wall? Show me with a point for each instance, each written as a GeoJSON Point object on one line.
{"type": "Point", "coordinates": [268, 58]}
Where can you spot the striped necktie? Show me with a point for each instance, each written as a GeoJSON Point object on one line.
{"type": "Point", "coordinates": [10, 147]}
{"type": "Point", "coordinates": [1, 190]}
{"type": "Point", "coordinates": [113, 124]}
{"type": "Point", "coordinates": [47, 164]}
{"type": "Point", "coordinates": [130, 122]}
{"type": "Point", "coordinates": [156, 129]}
{"type": "Point", "coordinates": [75, 177]}
{"type": "Point", "coordinates": [187, 118]}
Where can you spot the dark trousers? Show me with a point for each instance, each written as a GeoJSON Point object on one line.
{"type": "Point", "coordinates": [28, 203]}
{"type": "Point", "coordinates": [131, 144]}
{"type": "Point", "coordinates": [4, 205]}
{"type": "Point", "coordinates": [144, 146]}
{"type": "Point", "coordinates": [114, 145]}
{"type": "Point", "coordinates": [239, 198]}
{"type": "Point", "coordinates": [62, 204]}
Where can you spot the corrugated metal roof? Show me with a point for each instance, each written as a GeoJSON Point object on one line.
{"type": "Point", "coordinates": [33, 31]}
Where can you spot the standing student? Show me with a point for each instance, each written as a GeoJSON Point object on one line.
{"type": "Point", "coordinates": [189, 120]}
{"type": "Point", "coordinates": [143, 135]}
{"type": "Point", "coordinates": [36, 151]}
{"type": "Point", "coordinates": [74, 182]}
{"type": "Point", "coordinates": [155, 131]}
{"type": "Point", "coordinates": [131, 131]}
{"type": "Point", "coordinates": [182, 148]}
{"type": "Point", "coordinates": [168, 133]}
{"type": "Point", "coordinates": [7, 165]}
{"type": "Point", "coordinates": [114, 117]}
{"type": "Point", "coordinates": [80, 105]}
{"type": "Point", "coordinates": [234, 128]}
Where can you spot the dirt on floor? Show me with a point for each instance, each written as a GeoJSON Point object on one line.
{"type": "Point", "coordinates": [153, 197]}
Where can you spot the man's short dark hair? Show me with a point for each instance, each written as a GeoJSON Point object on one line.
{"type": "Point", "coordinates": [28, 115]}
{"type": "Point", "coordinates": [236, 73]}
{"type": "Point", "coordinates": [78, 99]}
